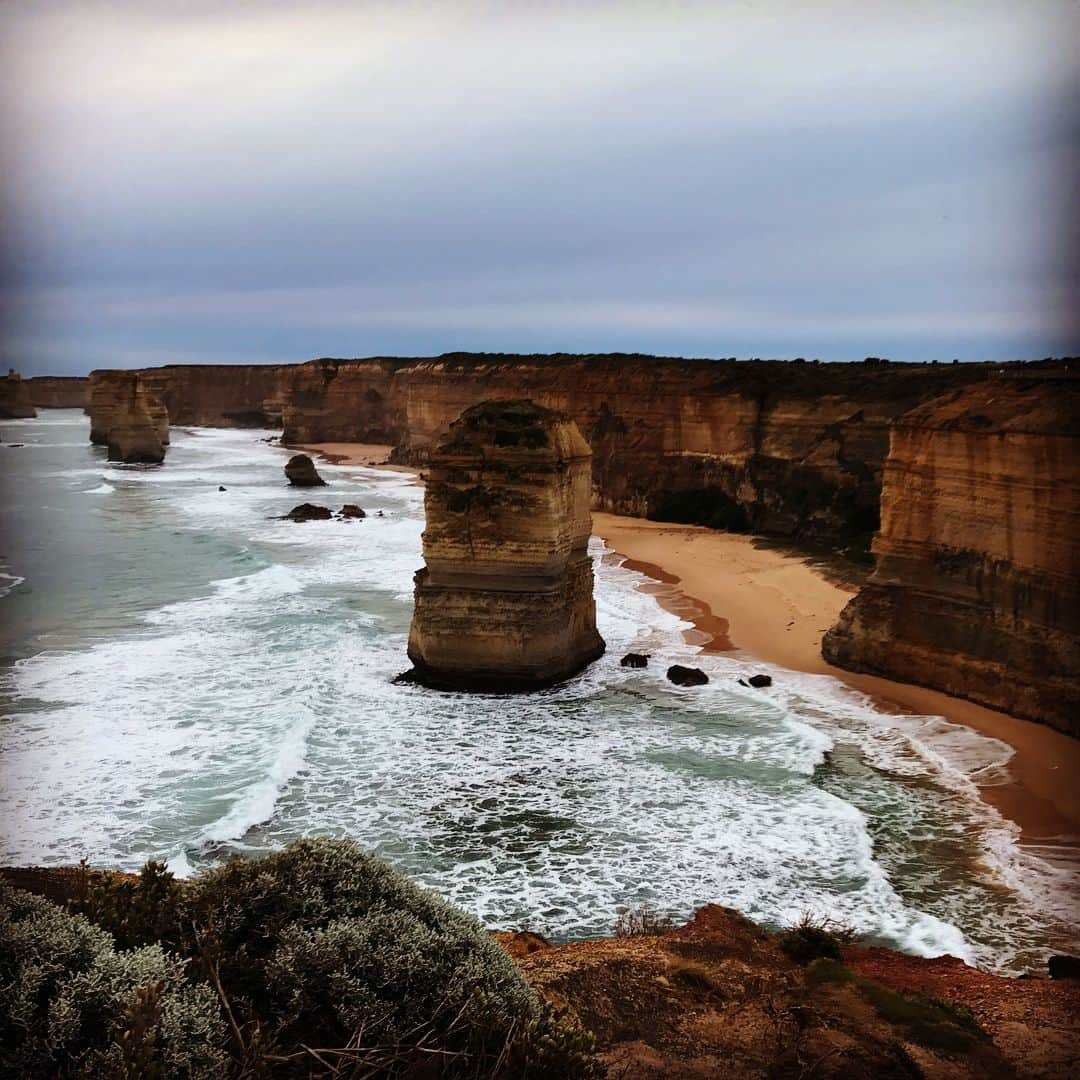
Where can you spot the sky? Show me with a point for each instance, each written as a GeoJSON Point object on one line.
{"type": "Point", "coordinates": [255, 182]}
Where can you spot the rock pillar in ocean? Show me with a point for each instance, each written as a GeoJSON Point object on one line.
{"type": "Point", "coordinates": [15, 403]}
{"type": "Point", "coordinates": [127, 417]}
{"type": "Point", "coordinates": [505, 602]}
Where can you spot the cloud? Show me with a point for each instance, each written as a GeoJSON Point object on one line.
{"type": "Point", "coordinates": [871, 174]}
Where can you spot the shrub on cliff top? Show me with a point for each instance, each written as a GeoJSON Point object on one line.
{"type": "Point", "coordinates": [334, 949]}
{"type": "Point", "coordinates": [71, 1005]}
{"type": "Point", "coordinates": [815, 939]}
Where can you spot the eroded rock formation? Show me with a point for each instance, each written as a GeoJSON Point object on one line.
{"type": "Point", "coordinates": [505, 601]}
{"type": "Point", "coordinates": [976, 590]}
{"type": "Point", "coordinates": [300, 471]}
{"type": "Point", "coordinates": [127, 417]}
{"type": "Point", "coordinates": [58, 391]}
{"type": "Point", "coordinates": [15, 403]}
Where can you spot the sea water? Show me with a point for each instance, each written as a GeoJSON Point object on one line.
{"type": "Point", "coordinates": [188, 677]}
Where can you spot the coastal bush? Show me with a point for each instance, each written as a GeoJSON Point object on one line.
{"type": "Point", "coordinates": [814, 939]}
{"type": "Point", "coordinates": [328, 947]}
{"type": "Point", "coordinates": [135, 910]}
{"type": "Point", "coordinates": [72, 1005]}
{"type": "Point", "coordinates": [642, 921]}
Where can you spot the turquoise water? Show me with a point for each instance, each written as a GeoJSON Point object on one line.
{"type": "Point", "coordinates": [185, 676]}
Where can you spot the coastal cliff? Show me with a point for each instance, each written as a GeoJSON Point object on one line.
{"type": "Point", "coordinates": [221, 395]}
{"type": "Point", "coordinates": [15, 403]}
{"type": "Point", "coordinates": [58, 391]}
{"type": "Point", "coordinates": [127, 417]}
{"type": "Point", "coordinates": [976, 589]}
{"type": "Point", "coordinates": [505, 600]}
{"type": "Point", "coordinates": [787, 449]}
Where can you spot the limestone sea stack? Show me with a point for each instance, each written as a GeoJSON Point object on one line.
{"type": "Point", "coordinates": [505, 602]}
{"type": "Point", "coordinates": [127, 417]}
{"type": "Point", "coordinates": [15, 403]}
{"type": "Point", "coordinates": [976, 590]}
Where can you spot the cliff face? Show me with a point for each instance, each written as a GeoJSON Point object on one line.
{"type": "Point", "coordinates": [58, 391]}
{"type": "Point", "coordinates": [797, 449]}
{"type": "Point", "coordinates": [976, 590]}
{"type": "Point", "coordinates": [15, 403]}
{"type": "Point", "coordinates": [127, 417]}
{"type": "Point", "coordinates": [505, 601]}
{"type": "Point", "coordinates": [225, 395]}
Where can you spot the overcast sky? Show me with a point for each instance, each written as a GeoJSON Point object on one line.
{"type": "Point", "coordinates": [245, 182]}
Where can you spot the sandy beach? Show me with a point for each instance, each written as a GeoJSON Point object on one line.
{"type": "Point", "coordinates": [776, 606]}
{"type": "Point", "coordinates": [742, 594]}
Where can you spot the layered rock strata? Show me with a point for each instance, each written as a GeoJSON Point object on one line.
{"type": "Point", "coordinates": [58, 391]}
{"type": "Point", "coordinates": [127, 417]}
{"type": "Point", "coordinates": [15, 403]}
{"type": "Point", "coordinates": [976, 590]}
{"type": "Point", "coordinates": [505, 600]}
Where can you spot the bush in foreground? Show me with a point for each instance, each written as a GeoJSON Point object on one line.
{"type": "Point", "coordinates": [72, 1005]}
{"type": "Point", "coordinates": [322, 958]}
{"type": "Point", "coordinates": [814, 939]}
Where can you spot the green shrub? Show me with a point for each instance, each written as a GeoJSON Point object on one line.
{"type": "Point", "coordinates": [135, 911]}
{"type": "Point", "coordinates": [331, 948]}
{"type": "Point", "coordinates": [814, 939]}
{"type": "Point", "coordinates": [71, 1005]}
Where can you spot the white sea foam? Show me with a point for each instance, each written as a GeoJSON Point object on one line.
{"type": "Point", "coordinates": [9, 582]}
{"type": "Point", "coordinates": [260, 707]}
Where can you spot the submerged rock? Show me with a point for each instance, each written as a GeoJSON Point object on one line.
{"type": "Point", "coordinates": [634, 659]}
{"type": "Point", "coordinates": [309, 512]}
{"type": "Point", "coordinates": [686, 676]}
{"type": "Point", "coordinates": [759, 681]}
{"type": "Point", "coordinates": [301, 472]}
{"type": "Point", "coordinates": [505, 601]}
{"type": "Point", "coordinates": [351, 510]}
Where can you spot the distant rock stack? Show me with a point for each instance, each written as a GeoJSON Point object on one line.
{"type": "Point", "coordinates": [300, 471]}
{"type": "Point", "coordinates": [127, 417]}
{"type": "Point", "coordinates": [505, 602]}
{"type": "Point", "coordinates": [15, 403]}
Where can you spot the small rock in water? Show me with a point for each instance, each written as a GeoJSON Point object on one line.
{"type": "Point", "coordinates": [686, 676]}
{"type": "Point", "coordinates": [351, 510]}
{"type": "Point", "coordinates": [301, 472]}
{"type": "Point", "coordinates": [221, 489]}
{"type": "Point", "coordinates": [758, 681]}
{"type": "Point", "coordinates": [1064, 967]}
{"type": "Point", "coordinates": [309, 512]}
{"type": "Point", "coordinates": [634, 659]}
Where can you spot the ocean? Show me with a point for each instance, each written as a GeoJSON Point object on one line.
{"type": "Point", "coordinates": [188, 677]}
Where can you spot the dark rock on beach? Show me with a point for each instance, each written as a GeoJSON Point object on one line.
{"type": "Point", "coordinates": [301, 472]}
{"type": "Point", "coordinates": [686, 676]}
{"type": "Point", "coordinates": [309, 512]}
{"type": "Point", "coordinates": [634, 659]}
{"type": "Point", "coordinates": [351, 510]}
{"type": "Point", "coordinates": [1064, 967]}
{"type": "Point", "coordinates": [759, 681]}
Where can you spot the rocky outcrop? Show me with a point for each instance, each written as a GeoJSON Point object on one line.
{"type": "Point", "coordinates": [505, 600]}
{"type": "Point", "coordinates": [300, 471]}
{"type": "Point", "coordinates": [686, 676]}
{"type": "Point", "coordinates": [309, 512]}
{"type": "Point", "coordinates": [976, 590]}
{"type": "Point", "coordinates": [127, 417]}
{"type": "Point", "coordinates": [58, 391]}
{"type": "Point", "coordinates": [15, 403]}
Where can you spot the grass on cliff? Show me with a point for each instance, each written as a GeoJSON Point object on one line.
{"type": "Point", "coordinates": [317, 960]}
{"type": "Point", "coordinates": [931, 1022]}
